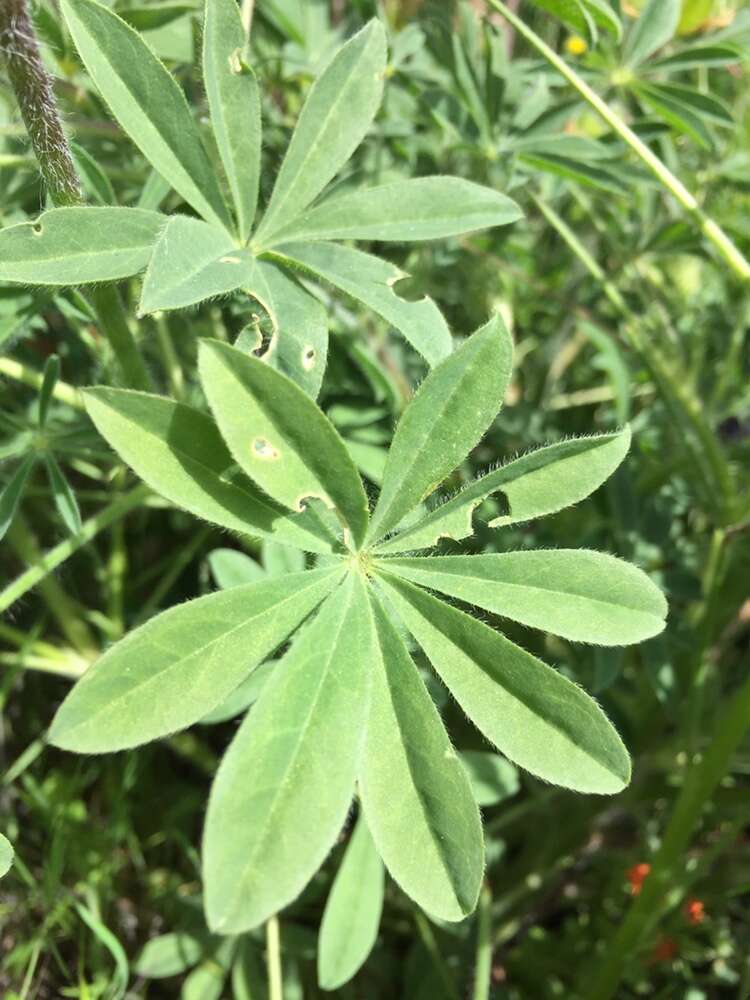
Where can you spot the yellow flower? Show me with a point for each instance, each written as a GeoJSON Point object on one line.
{"type": "Point", "coordinates": [575, 45]}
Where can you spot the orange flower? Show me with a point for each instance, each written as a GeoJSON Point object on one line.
{"type": "Point", "coordinates": [695, 911]}
{"type": "Point", "coordinates": [637, 876]}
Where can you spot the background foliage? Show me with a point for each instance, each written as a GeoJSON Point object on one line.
{"type": "Point", "coordinates": [622, 308]}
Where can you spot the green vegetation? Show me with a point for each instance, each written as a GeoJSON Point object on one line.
{"type": "Point", "coordinates": [374, 499]}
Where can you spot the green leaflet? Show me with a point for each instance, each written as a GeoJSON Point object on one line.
{"type": "Point", "coordinates": [453, 408]}
{"type": "Point", "coordinates": [167, 674]}
{"type": "Point", "coordinates": [180, 454]}
{"type": "Point", "coordinates": [192, 261]}
{"type": "Point", "coordinates": [538, 483]}
{"type": "Point", "coordinates": [655, 26]}
{"type": "Point", "coordinates": [231, 568]}
{"type": "Point", "coordinates": [415, 792]}
{"type": "Point", "coordinates": [265, 838]}
{"type": "Point", "coordinates": [425, 208]}
{"type": "Point", "coordinates": [6, 855]}
{"type": "Point", "coordinates": [351, 918]}
{"type": "Point", "coordinates": [299, 347]}
{"type": "Point", "coordinates": [279, 436]}
{"type": "Point", "coordinates": [147, 102]}
{"type": "Point", "coordinates": [531, 713]}
{"type": "Point", "coordinates": [169, 955]}
{"type": "Point", "coordinates": [63, 495]}
{"type": "Point", "coordinates": [580, 595]}
{"type": "Point", "coordinates": [77, 246]}
{"type": "Point", "coordinates": [493, 778]}
{"type": "Point", "coordinates": [335, 118]}
{"type": "Point", "coordinates": [370, 280]}
{"type": "Point", "coordinates": [584, 16]}
{"type": "Point", "coordinates": [10, 496]}
{"type": "Point", "coordinates": [234, 101]}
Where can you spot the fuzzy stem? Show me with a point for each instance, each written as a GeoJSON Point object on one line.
{"type": "Point", "coordinates": [32, 86]}
{"type": "Point", "coordinates": [710, 229]}
{"type": "Point", "coordinates": [36, 100]}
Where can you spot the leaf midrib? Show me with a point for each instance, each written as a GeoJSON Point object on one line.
{"type": "Point", "coordinates": [605, 767]}
{"type": "Point", "coordinates": [274, 211]}
{"type": "Point", "coordinates": [424, 436]}
{"type": "Point", "coordinates": [283, 785]}
{"type": "Point", "coordinates": [167, 670]}
{"type": "Point", "coordinates": [527, 587]}
{"type": "Point", "coordinates": [154, 130]}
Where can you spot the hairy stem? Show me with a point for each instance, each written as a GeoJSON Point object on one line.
{"type": "Point", "coordinates": [32, 87]}
{"type": "Point", "coordinates": [710, 229]}
{"type": "Point", "coordinates": [36, 100]}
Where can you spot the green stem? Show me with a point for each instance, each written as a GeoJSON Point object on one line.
{"type": "Point", "coordinates": [43, 565]}
{"type": "Point", "coordinates": [700, 783]}
{"type": "Point", "coordinates": [178, 562]}
{"type": "Point", "coordinates": [111, 317]}
{"type": "Point", "coordinates": [699, 438]}
{"type": "Point", "coordinates": [483, 961]}
{"type": "Point", "coordinates": [29, 376]}
{"type": "Point", "coordinates": [33, 89]}
{"type": "Point", "coordinates": [431, 946]}
{"type": "Point", "coordinates": [63, 608]}
{"type": "Point", "coordinates": [273, 960]}
{"type": "Point", "coordinates": [710, 229]}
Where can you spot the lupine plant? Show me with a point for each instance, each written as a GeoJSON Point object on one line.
{"type": "Point", "coordinates": [345, 710]}
{"type": "Point", "coordinates": [191, 259]}
{"type": "Point", "coordinates": [338, 629]}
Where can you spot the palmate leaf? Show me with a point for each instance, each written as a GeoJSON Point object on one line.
{"type": "Point", "coordinates": [453, 408]}
{"type": "Point", "coordinates": [279, 436]}
{"type": "Point", "coordinates": [370, 280]}
{"type": "Point", "coordinates": [78, 246]}
{"type": "Point", "coordinates": [265, 838]}
{"type": "Point", "coordinates": [234, 101]}
{"type": "Point", "coordinates": [531, 713]}
{"type": "Point", "coordinates": [415, 792]}
{"type": "Point", "coordinates": [167, 674]}
{"type": "Point", "coordinates": [583, 596]}
{"type": "Point", "coordinates": [425, 208]}
{"type": "Point", "coordinates": [335, 118]}
{"type": "Point", "coordinates": [351, 917]}
{"type": "Point", "coordinates": [180, 454]}
{"type": "Point", "coordinates": [536, 484]}
{"type": "Point", "coordinates": [147, 102]}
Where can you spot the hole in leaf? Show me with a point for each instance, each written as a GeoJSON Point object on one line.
{"type": "Point", "coordinates": [308, 358]}
{"type": "Point", "coordinates": [265, 450]}
{"type": "Point", "coordinates": [37, 229]}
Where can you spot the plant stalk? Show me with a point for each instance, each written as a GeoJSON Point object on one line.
{"type": "Point", "coordinates": [273, 959]}
{"type": "Point", "coordinates": [43, 565]}
{"type": "Point", "coordinates": [700, 783]}
{"type": "Point", "coordinates": [34, 93]}
{"type": "Point", "coordinates": [483, 959]}
{"type": "Point", "coordinates": [733, 256]}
